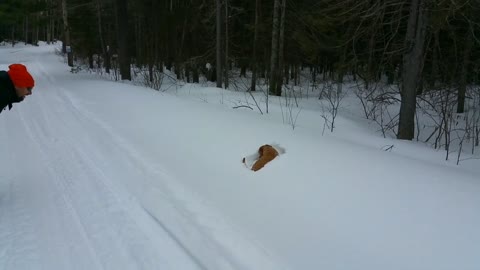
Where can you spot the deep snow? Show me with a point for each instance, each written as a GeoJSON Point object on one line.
{"type": "Point", "coordinates": [98, 174]}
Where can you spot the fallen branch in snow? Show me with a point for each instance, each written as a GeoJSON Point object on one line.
{"type": "Point", "coordinates": [388, 148]}
{"type": "Point", "coordinates": [256, 103]}
{"type": "Point", "coordinates": [243, 106]}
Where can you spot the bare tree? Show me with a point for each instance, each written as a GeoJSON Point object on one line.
{"type": "Point", "coordinates": [219, 43]}
{"type": "Point", "coordinates": [274, 51]}
{"type": "Point", "coordinates": [462, 84]}
{"type": "Point", "coordinates": [255, 46]}
{"type": "Point", "coordinates": [122, 35]}
{"type": "Point", "coordinates": [66, 34]}
{"type": "Point", "coordinates": [225, 65]}
{"type": "Point", "coordinates": [105, 49]}
{"type": "Point", "coordinates": [412, 67]}
{"type": "Point", "coordinates": [281, 37]}
{"type": "Point", "coordinates": [333, 95]}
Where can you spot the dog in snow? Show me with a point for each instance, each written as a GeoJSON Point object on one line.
{"type": "Point", "coordinates": [264, 155]}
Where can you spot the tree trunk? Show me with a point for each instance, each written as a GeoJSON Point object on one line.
{"type": "Point", "coordinates": [100, 35]}
{"type": "Point", "coordinates": [36, 37]}
{"type": "Point", "coordinates": [66, 35]}
{"type": "Point", "coordinates": [90, 60]}
{"type": "Point", "coordinates": [412, 68]}
{"type": "Point", "coordinates": [296, 75]}
{"type": "Point", "coordinates": [195, 75]}
{"type": "Point", "coordinates": [226, 66]}
{"type": "Point", "coordinates": [13, 36]}
{"type": "Point", "coordinates": [279, 73]}
{"type": "Point", "coordinates": [219, 44]}
{"type": "Point", "coordinates": [255, 47]}
{"type": "Point", "coordinates": [150, 71]}
{"type": "Point", "coordinates": [434, 71]}
{"type": "Point", "coordinates": [462, 87]}
{"type": "Point", "coordinates": [26, 29]}
{"type": "Point", "coordinates": [274, 51]}
{"type": "Point", "coordinates": [122, 36]}
{"type": "Point", "coordinates": [286, 74]}
{"type": "Point", "coordinates": [243, 69]}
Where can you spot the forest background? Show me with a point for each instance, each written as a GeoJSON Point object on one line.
{"type": "Point", "coordinates": [419, 56]}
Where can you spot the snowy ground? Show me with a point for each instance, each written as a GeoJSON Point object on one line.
{"type": "Point", "coordinates": [97, 174]}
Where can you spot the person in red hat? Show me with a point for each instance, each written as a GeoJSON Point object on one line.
{"type": "Point", "coordinates": [15, 85]}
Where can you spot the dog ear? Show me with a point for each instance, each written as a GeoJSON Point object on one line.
{"type": "Point", "coordinates": [260, 150]}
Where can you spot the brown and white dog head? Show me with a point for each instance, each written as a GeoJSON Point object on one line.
{"type": "Point", "coordinates": [264, 155]}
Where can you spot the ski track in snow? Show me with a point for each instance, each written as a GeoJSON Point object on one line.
{"type": "Point", "coordinates": [87, 194]}
{"type": "Point", "coordinates": [80, 196]}
{"type": "Point", "coordinates": [204, 236]}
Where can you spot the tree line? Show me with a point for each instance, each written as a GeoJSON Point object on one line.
{"type": "Point", "coordinates": [419, 45]}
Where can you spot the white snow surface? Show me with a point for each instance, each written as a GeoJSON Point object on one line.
{"type": "Point", "coordinates": [98, 174]}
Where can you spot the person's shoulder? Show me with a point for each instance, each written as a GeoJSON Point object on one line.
{"type": "Point", "coordinates": [3, 74]}
{"type": "Point", "coordinates": [5, 83]}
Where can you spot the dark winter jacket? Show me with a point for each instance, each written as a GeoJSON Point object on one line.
{"type": "Point", "coordinates": [8, 95]}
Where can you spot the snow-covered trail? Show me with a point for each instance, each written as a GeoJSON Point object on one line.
{"type": "Point", "coordinates": [98, 174]}
{"type": "Point", "coordinates": [67, 202]}
{"type": "Point", "coordinates": [96, 225]}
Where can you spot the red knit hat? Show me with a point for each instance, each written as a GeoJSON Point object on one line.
{"type": "Point", "coordinates": [19, 75]}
